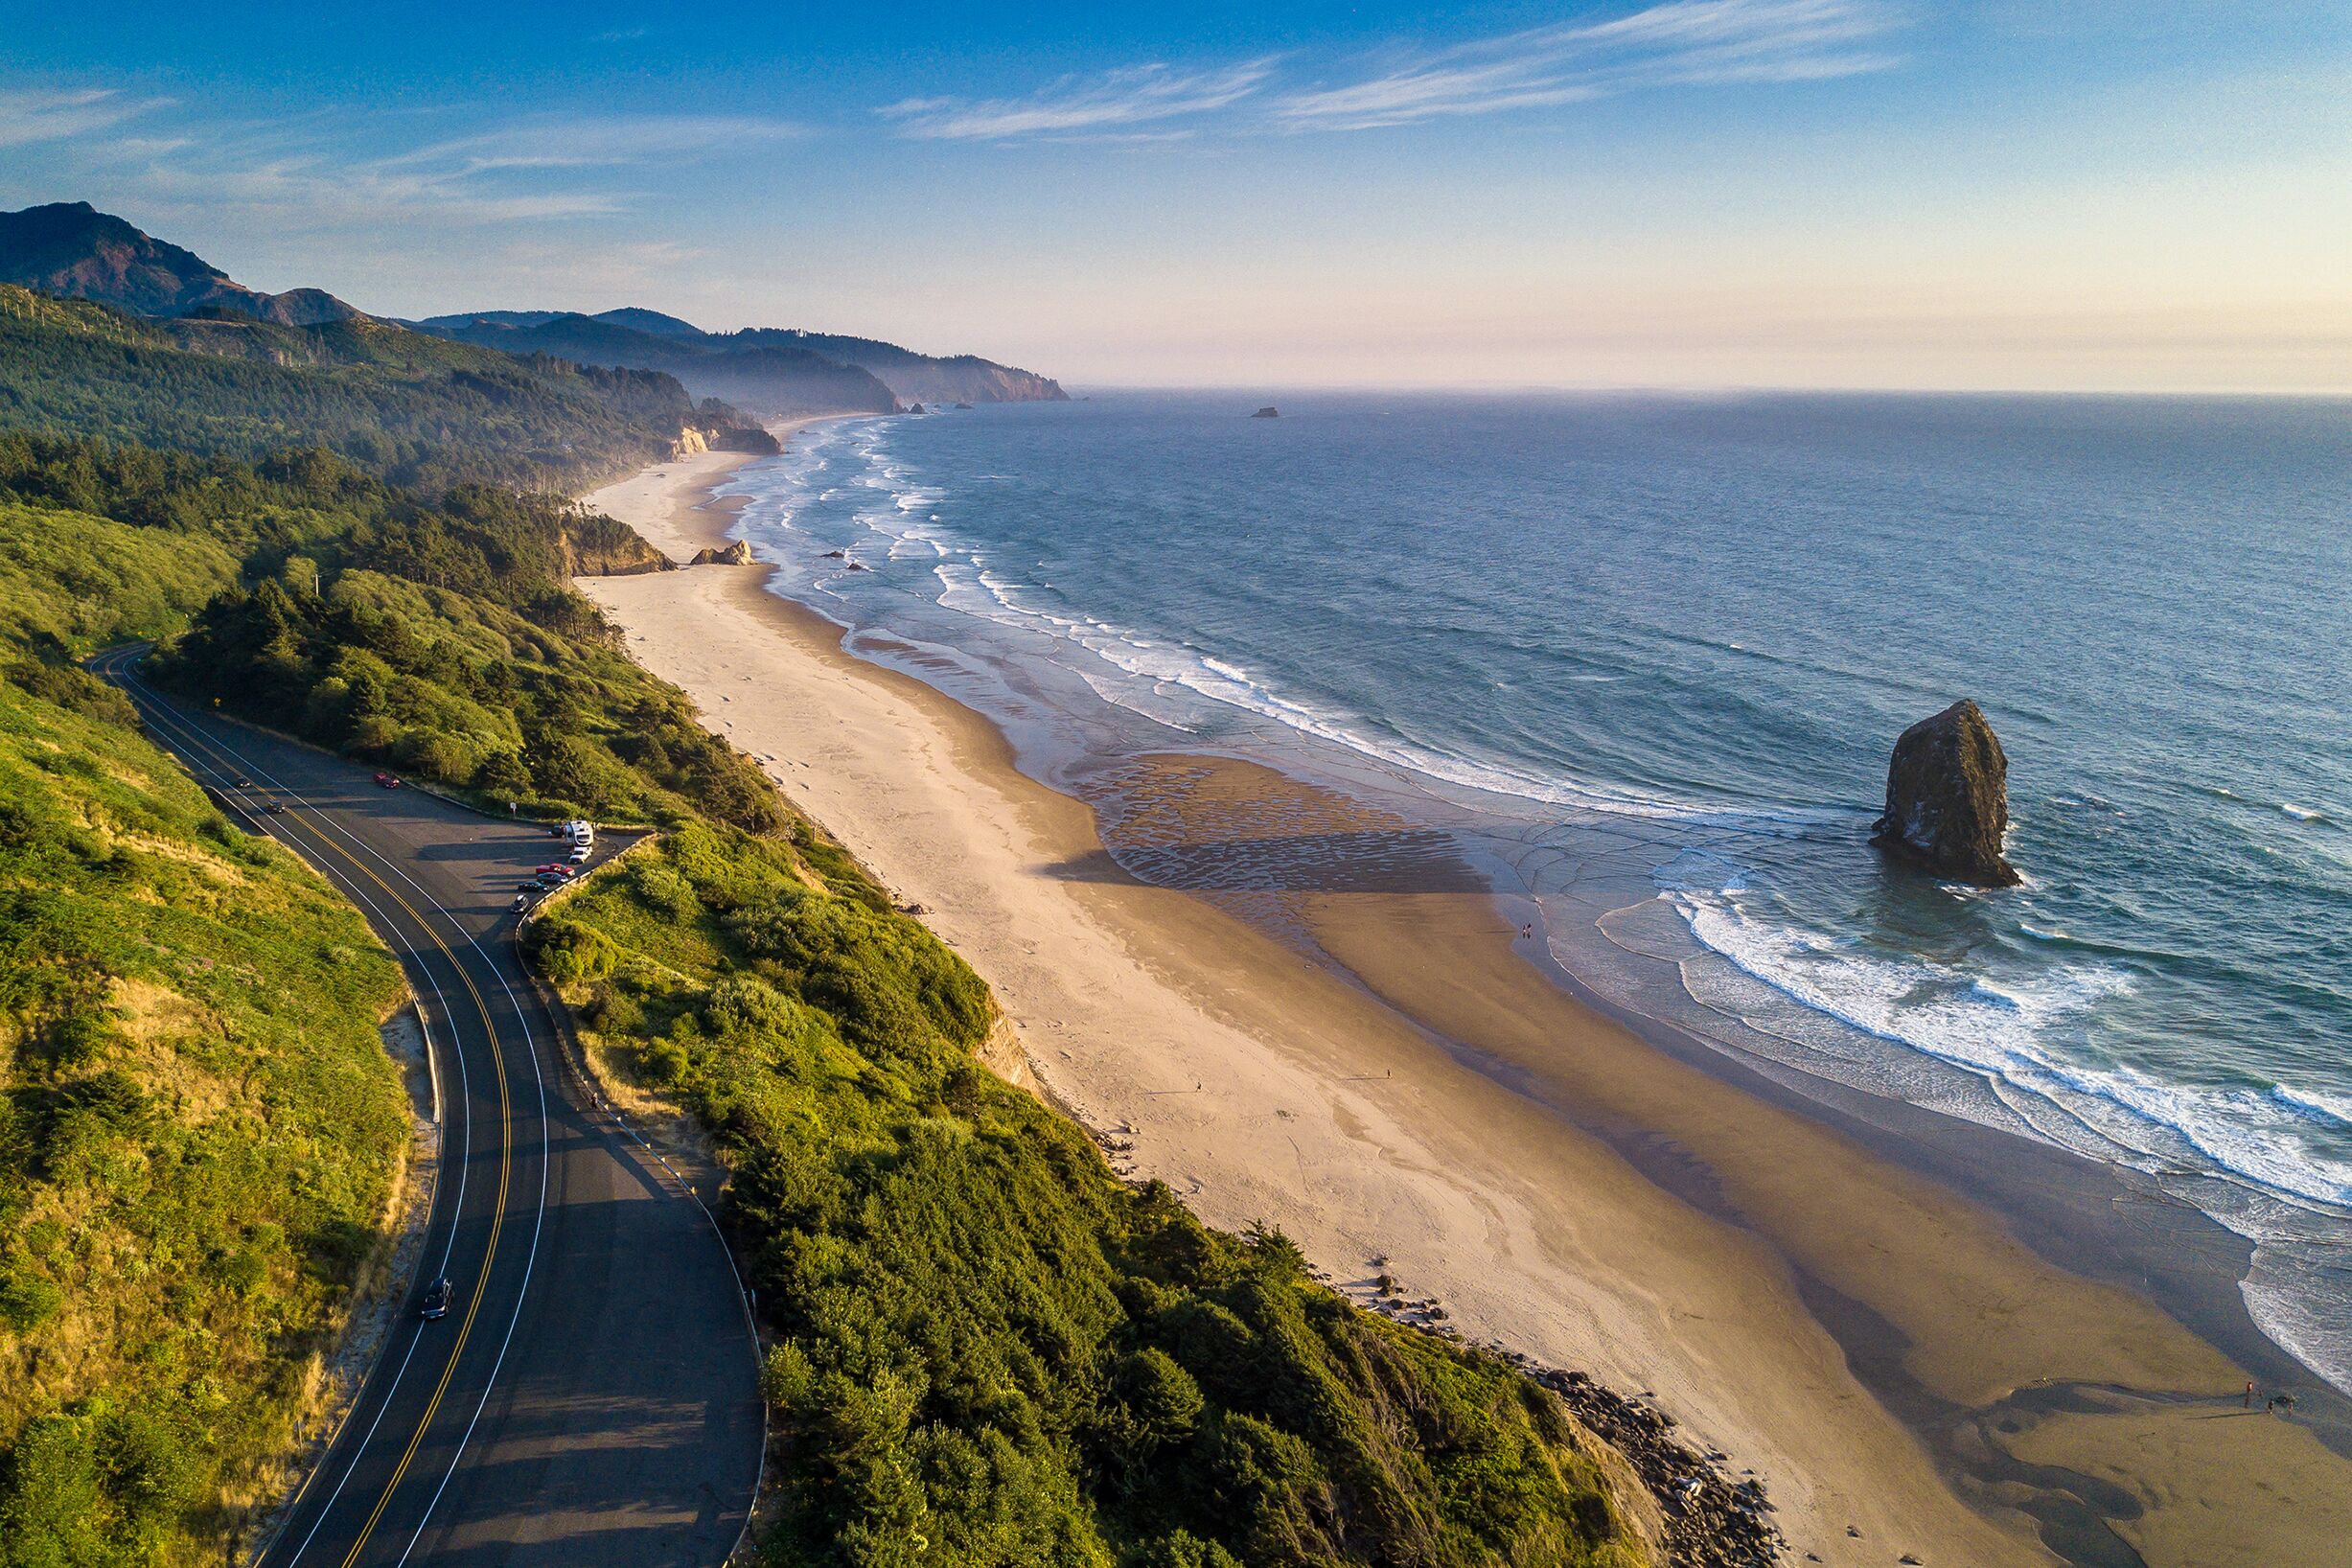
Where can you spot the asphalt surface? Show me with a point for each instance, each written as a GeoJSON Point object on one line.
{"type": "Point", "coordinates": [591, 1397]}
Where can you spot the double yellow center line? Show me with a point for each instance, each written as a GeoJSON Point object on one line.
{"type": "Point", "coordinates": [506, 1144]}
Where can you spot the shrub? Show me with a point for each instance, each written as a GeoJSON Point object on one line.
{"type": "Point", "coordinates": [27, 1298]}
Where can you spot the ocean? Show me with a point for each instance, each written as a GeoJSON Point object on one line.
{"type": "Point", "coordinates": [1644, 657]}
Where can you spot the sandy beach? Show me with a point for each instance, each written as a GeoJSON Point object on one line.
{"type": "Point", "coordinates": [1313, 1017]}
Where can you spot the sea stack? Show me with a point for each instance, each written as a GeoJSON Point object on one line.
{"type": "Point", "coordinates": [1948, 798]}
{"type": "Point", "coordinates": [737, 554]}
{"type": "Point", "coordinates": [1269, 411]}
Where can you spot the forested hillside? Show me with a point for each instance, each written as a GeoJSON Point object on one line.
{"type": "Point", "coordinates": [416, 411]}
{"type": "Point", "coordinates": [441, 638]}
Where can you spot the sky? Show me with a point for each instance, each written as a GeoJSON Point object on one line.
{"type": "Point", "coordinates": [2134, 194]}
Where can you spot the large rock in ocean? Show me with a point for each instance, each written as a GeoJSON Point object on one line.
{"type": "Point", "coordinates": [1948, 798]}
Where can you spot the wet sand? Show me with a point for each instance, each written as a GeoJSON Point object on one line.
{"type": "Point", "coordinates": [1312, 1014]}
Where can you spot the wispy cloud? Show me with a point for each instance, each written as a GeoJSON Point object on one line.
{"type": "Point", "coordinates": [1671, 43]}
{"type": "Point", "coordinates": [32, 114]}
{"type": "Point", "coordinates": [612, 142]}
{"type": "Point", "coordinates": [1679, 43]}
{"type": "Point", "coordinates": [1136, 96]}
{"type": "Point", "coordinates": [324, 191]}
{"type": "Point", "coordinates": [323, 171]}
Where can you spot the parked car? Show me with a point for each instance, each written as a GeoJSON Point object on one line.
{"type": "Point", "coordinates": [387, 781]}
{"type": "Point", "coordinates": [436, 1302]}
{"type": "Point", "coordinates": [557, 869]}
{"type": "Point", "coordinates": [531, 887]}
{"type": "Point", "coordinates": [580, 854]}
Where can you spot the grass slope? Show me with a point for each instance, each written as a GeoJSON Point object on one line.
{"type": "Point", "coordinates": [199, 1131]}
{"type": "Point", "coordinates": [989, 1350]}
{"type": "Point", "coordinates": [71, 580]}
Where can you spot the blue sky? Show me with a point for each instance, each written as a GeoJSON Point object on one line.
{"type": "Point", "coordinates": [1876, 192]}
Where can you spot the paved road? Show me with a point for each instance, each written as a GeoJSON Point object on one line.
{"type": "Point", "coordinates": [592, 1396]}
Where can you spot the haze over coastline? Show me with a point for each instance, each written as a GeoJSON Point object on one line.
{"type": "Point", "coordinates": [1687, 193]}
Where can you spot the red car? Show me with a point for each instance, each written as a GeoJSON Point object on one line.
{"type": "Point", "coordinates": [565, 871]}
{"type": "Point", "coordinates": [389, 782]}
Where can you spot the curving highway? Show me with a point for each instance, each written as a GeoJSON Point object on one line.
{"type": "Point", "coordinates": [591, 1397]}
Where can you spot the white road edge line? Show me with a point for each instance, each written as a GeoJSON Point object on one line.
{"type": "Point", "coordinates": [189, 735]}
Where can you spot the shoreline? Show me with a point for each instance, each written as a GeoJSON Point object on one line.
{"type": "Point", "coordinates": [1561, 1182]}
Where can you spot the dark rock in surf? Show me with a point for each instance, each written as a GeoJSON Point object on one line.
{"type": "Point", "coordinates": [1948, 798]}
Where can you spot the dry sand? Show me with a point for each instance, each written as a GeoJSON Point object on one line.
{"type": "Point", "coordinates": [1324, 1084]}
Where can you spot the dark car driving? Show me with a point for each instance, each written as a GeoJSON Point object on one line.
{"type": "Point", "coordinates": [436, 1303]}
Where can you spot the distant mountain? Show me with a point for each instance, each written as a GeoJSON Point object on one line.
{"type": "Point", "coordinates": [745, 367]}
{"type": "Point", "coordinates": [769, 378]}
{"type": "Point", "coordinates": [72, 249]}
{"type": "Point", "coordinates": [628, 316]}
{"type": "Point", "coordinates": [649, 321]}
{"type": "Point", "coordinates": [921, 378]}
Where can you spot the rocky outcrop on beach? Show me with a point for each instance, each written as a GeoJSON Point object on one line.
{"type": "Point", "coordinates": [737, 554]}
{"type": "Point", "coordinates": [1712, 1521]}
{"type": "Point", "coordinates": [593, 545]}
{"type": "Point", "coordinates": [690, 442]}
{"type": "Point", "coordinates": [1948, 798]}
{"type": "Point", "coordinates": [751, 438]}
